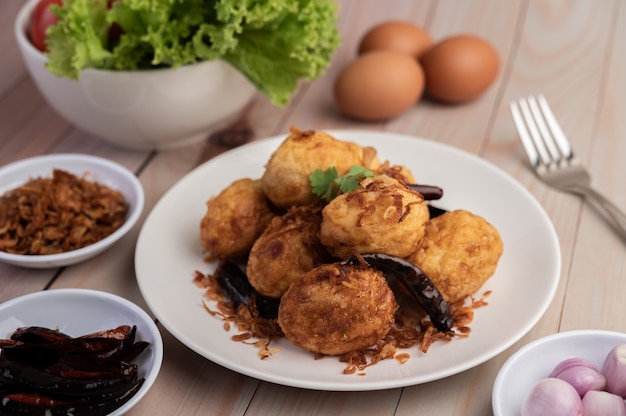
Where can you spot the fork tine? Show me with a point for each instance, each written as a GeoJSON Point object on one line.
{"type": "Point", "coordinates": [527, 142]}
{"type": "Point", "coordinates": [555, 128]}
{"type": "Point", "coordinates": [548, 139]}
{"type": "Point", "coordinates": [534, 132]}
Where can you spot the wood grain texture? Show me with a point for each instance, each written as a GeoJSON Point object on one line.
{"type": "Point", "coordinates": [12, 68]}
{"type": "Point", "coordinates": [572, 52]}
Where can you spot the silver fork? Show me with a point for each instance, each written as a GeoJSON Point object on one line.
{"type": "Point", "coordinates": [553, 160]}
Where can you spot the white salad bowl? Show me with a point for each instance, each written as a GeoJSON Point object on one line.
{"type": "Point", "coordinates": [144, 110]}
{"type": "Point", "coordinates": [92, 168]}
{"type": "Point", "coordinates": [78, 312]}
{"type": "Point", "coordinates": [536, 360]}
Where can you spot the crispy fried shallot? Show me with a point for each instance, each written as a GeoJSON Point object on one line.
{"type": "Point", "coordinates": [58, 214]}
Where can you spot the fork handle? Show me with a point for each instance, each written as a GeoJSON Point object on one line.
{"type": "Point", "coordinates": [616, 217]}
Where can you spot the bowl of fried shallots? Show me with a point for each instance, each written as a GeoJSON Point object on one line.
{"type": "Point", "coordinates": [61, 209]}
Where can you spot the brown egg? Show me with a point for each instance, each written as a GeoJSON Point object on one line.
{"type": "Point", "coordinates": [459, 68]}
{"type": "Point", "coordinates": [396, 36]}
{"type": "Point", "coordinates": [379, 85]}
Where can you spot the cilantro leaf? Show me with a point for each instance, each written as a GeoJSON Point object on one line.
{"type": "Point", "coordinates": [323, 182]}
{"type": "Point", "coordinates": [327, 184]}
{"type": "Point", "coordinates": [350, 181]}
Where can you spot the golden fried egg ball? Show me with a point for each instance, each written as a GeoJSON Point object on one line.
{"type": "Point", "coordinates": [234, 219]}
{"type": "Point", "coordinates": [399, 172]}
{"type": "Point", "coordinates": [381, 216]}
{"type": "Point", "coordinates": [336, 308]}
{"type": "Point", "coordinates": [288, 248]}
{"type": "Point", "coordinates": [286, 180]}
{"type": "Point", "coordinates": [459, 252]}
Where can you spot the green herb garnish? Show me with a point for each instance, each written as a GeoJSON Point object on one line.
{"type": "Point", "coordinates": [327, 183]}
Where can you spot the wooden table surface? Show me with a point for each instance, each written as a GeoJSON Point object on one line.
{"type": "Point", "coordinates": [574, 52]}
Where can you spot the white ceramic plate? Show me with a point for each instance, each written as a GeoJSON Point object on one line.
{"type": "Point", "coordinates": [78, 312]}
{"type": "Point", "coordinates": [536, 360]}
{"type": "Point", "coordinates": [168, 251]}
{"type": "Point", "coordinates": [92, 168]}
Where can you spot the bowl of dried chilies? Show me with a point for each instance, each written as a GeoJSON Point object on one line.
{"type": "Point", "coordinates": [75, 351]}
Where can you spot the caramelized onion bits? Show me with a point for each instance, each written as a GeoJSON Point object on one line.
{"type": "Point", "coordinates": [44, 371]}
{"type": "Point", "coordinates": [419, 286]}
{"type": "Point", "coordinates": [412, 328]}
{"type": "Point", "coordinates": [58, 214]}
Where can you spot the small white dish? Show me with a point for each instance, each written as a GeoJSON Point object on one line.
{"type": "Point", "coordinates": [78, 312]}
{"type": "Point", "coordinates": [537, 359]}
{"type": "Point", "coordinates": [103, 171]}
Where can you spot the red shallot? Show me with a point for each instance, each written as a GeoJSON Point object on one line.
{"type": "Point", "coordinates": [583, 378]}
{"type": "Point", "coordinates": [603, 403]}
{"type": "Point", "coordinates": [552, 397]}
{"type": "Point", "coordinates": [614, 369]}
{"type": "Point", "coordinates": [568, 363]}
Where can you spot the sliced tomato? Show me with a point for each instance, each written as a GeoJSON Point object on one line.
{"type": "Point", "coordinates": [42, 19]}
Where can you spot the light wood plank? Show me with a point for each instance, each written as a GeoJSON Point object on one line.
{"type": "Point", "coordinates": [17, 281]}
{"type": "Point", "coordinates": [536, 66]}
{"type": "Point", "coordinates": [189, 384]}
{"type": "Point", "coordinates": [597, 292]}
{"type": "Point", "coordinates": [28, 125]}
{"type": "Point", "coordinates": [12, 69]}
{"type": "Point", "coordinates": [270, 400]}
{"type": "Point", "coordinates": [558, 52]}
{"type": "Point", "coordinates": [466, 125]}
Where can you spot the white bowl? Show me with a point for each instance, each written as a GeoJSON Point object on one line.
{"type": "Point", "coordinates": [78, 312]}
{"type": "Point", "coordinates": [149, 109]}
{"type": "Point", "coordinates": [92, 168]}
{"type": "Point", "coordinates": [537, 359]}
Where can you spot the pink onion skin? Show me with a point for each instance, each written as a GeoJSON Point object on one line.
{"type": "Point", "coordinates": [552, 397]}
{"type": "Point", "coordinates": [614, 369]}
{"type": "Point", "coordinates": [583, 379]}
{"type": "Point", "coordinates": [602, 403]}
{"type": "Point", "coordinates": [570, 362]}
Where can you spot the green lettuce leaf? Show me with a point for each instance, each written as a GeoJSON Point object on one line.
{"type": "Point", "coordinates": [77, 40]}
{"type": "Point", "coordinates": [274, 43]}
